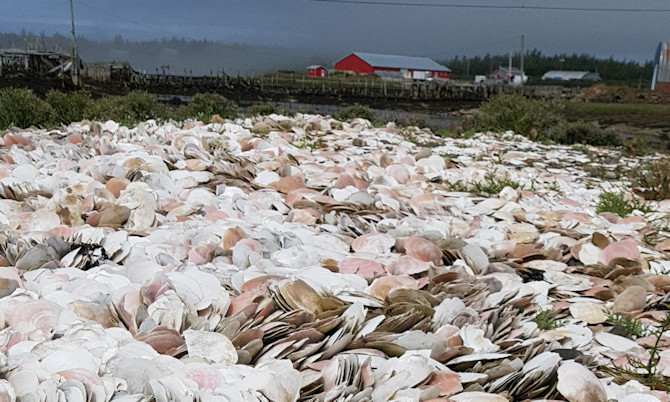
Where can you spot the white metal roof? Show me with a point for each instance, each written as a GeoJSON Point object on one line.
{"type": "Point", "coordinates": [391, 61]}
{"type": "Point", "coordinates": [314, 66]}
{"type": "Point", "coordinates": [564, 75]}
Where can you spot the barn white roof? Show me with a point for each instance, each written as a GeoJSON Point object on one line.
{"type": "Point", "coordinates": [565, 75]}
{"type": "Point", "coordinates": [391, 61]}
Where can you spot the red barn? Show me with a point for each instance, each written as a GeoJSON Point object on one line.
{"type": "Point", "coordinates": [419, 68]}
{"type": "Point", "coordinates": [316, 71]}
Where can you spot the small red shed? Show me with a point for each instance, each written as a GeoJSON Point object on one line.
{"type": "Point", "coordinates": [418, 68]}
{"type": "Point", "coordinates": [316, 71]}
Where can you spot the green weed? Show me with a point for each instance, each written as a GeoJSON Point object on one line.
{"type": "Point", "coordinates": [646, 372]}
{"type": "Point", "coordinates": [546, 320]}
{"type": "Point", "coordinates": [493, 184]}
{"type": "Point", "coordinates": [618, 204]}
{"type": "Point", "coordinates": [652, 180]}
{"type": "Point", "coordinates": [631, 325]}
{"type": "Point", "coordinates": [615, 203]}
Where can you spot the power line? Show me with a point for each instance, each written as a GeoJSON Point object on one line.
{"type": "Point", "coordinates": [495, 6]}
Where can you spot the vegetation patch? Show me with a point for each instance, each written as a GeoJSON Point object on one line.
{"type": "Point", "coordinates": [534, 119]}
{"type": "Point", "coordinates": [349, 113]}
{"type": "Point", "coordinates": [583, 132]}
{"type": "Point", "coordinates": [646, 371]}
{"type": "Point", "coordinates": [268, 109]}
{"type": "Point", "coordinates": [546, 320]}
{"type": "Point", "coordinates": [652, 181]}
{"type": "Point", "coordinates": [204, 106]}
{"type": "Point", "coordinates": [22, 108]}
{"type": "Point", "coordinates": [620, 204]}
{"type": "Point", "coordinates": [493, 184]}
{"type": "Point", "coordinates": [630, 325]}
{"type": "Point", "coordinates": [69, 107]}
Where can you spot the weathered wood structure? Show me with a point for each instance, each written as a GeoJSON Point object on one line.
{"type": "Point", "coordinates": [16, 62]}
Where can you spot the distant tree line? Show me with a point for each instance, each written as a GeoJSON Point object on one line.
{"type": "Point", "coordinates": [536, 64]}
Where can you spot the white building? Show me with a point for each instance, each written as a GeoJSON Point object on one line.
{"type": "Point", "coordinates": [559, 75]}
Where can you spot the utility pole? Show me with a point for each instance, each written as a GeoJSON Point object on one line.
{"type": "Point", "coordinates": [521, 66]}
{"type": "Point", "coordinates": [509, 71]}
{"type": "Point", "coordinates": [75, 59]}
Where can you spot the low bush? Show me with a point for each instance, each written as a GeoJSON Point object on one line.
{"type": "Point", "coordinates": [652, 181]}
{"type": "Point", "coordinates": [268, 109]}
{"type": "Point", "coordinates": [108, 108]}
{"type": "Point", "coordinates": [349, 113]}
{"type": "Point", "coordinates": [204, 106]}
{"type": "Point", "coordinates": [69, 107]}
{"type": "Point", "coordinates": [583, 132]}
{"type": "Point", "coordinates": [22, 108]}
{"type": "Point", "coordinates": [140, 106]}
{"type": "Point", "coordinates": [534, 119]}
{"type": "Point", "coordinates": [129, 109]}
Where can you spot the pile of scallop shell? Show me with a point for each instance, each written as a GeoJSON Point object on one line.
{"type": "Point", "coordinates": [305, 258]}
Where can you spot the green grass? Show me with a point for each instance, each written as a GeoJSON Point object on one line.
{"type": "Point", "coordinates": [546, 320]}
{"type": "Point", "coordinates": [493, 184]}
{"type": "Point", "coordinates": [617, 203]}
{"type": "Point", "coordinates": [631, 325]}
{"type": "Point", "coordinates": [616, 108]}
{"type": "Point", "coordinates": [646, 372]}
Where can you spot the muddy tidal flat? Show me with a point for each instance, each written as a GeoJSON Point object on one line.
{"type": "Point", "coordinates": [305, 258]}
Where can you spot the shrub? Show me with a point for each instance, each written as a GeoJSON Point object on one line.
{"type": "Point", "coordinates": [22, 108]}
{"type": "Point", "coordinates": [69, 107]}
{"type": "Point", "coordinates": [267, 109]}
{"type": "Point", "coordinates": [140, 106]}
{"type": "Point", "coordinates": [349, 113]}
{"type": "Point", "coordinates": [636, 147]}
{"type": "Point", "coordinates": [129, 109]}
{"type": "Point", "coordinates": [108, 108]}
{"type": "Point", "coordinates": [534, 119]}
{"type": "Point", "coordinates": [652, 181]}
{"type": "Point", "coordinates": [204, 106]}
{"type": "Point", "coordinates": [582, 132]}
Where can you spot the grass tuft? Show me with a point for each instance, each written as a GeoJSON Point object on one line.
{"type": "Point", "coordinates": [618, 204]}
{"type": "Point", "coordinates": [646, 372]}
{"type": "Point", "coordinates": [493, 184]}
{"type": "Point", "coordinates": [632, 326]}
{"type": "Point", "coordinates": [546, 320]}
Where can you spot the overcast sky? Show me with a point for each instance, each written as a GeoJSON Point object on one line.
{"type": "Point", "coordinates": [340, 26]}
